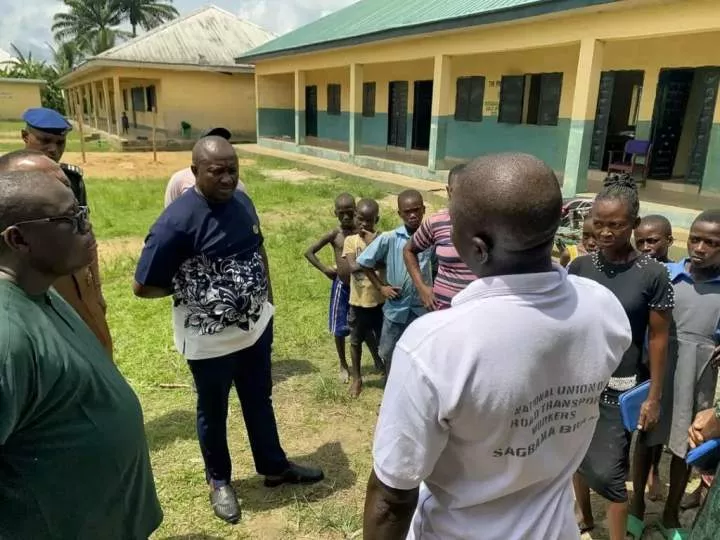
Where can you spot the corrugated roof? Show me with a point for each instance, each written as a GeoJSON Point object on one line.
{"type": "Point", "coordinates": [207, 37]}
{"type": "Point", "coordinates": [369, 20]}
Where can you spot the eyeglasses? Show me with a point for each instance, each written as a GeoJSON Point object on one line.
{"type": "Point", "coordinates": [80, 220]}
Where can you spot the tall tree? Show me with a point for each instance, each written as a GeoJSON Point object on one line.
{"type": "Point", "coordinates": [66, 56]}
{"type": "Point", "coordinates": [92, 24]}
{"type": "Point", "coordinates": [147, 14]}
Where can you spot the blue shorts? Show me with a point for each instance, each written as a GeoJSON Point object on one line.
{"type": "Point", "coordinates": [339, 306]}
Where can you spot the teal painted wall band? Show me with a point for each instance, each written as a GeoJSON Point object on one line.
{"type": "Point", "coordinates": [577, 157]}
{"type": "Point", "coordinates": [374, 129]}
{"type": "Point", "coordinates": [334, 127]}
{"type": "Point", "coordinates": [467, 140]}
{"type": "Point", "coordinates": [276, 122]}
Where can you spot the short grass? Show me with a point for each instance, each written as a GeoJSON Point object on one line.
{"type": "Point", "coordinates": [318, 423]}
{"type": "Point", "coordinates": [8, 126]}
{"type": "Point", "coordinates": [73, 145]}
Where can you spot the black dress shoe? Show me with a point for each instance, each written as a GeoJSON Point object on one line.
{"type": "Point", "coordinates": [295, 474]}
{"type": "Point", "coordinates": [225, 504]}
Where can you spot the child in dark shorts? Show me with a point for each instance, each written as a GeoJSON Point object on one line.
{"type": "Point", "coordinates": [339, 275]}
{"type": "Point", "coordinates": [365, 317]}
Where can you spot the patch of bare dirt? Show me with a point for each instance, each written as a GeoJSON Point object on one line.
{"type": "Point", "coordinates": [117, 247]}
{"type": "Point", "coordinates": [290, 175]}
{"type": "Point", "coordinates": [134, 164]}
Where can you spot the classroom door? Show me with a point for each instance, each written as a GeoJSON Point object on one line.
{"type": "Point", "coordinates": [602, 119]}
{"type": "Point", "coordinates": [397, 113]}
{"type": "Point", "coordinates": [709, 78]}
{"type": "Point", "coordinates": [422, 115]}
{"type": "Point", "coordinates": [671, 101]}
{"type": "Point", "coordinates": [311, 112]}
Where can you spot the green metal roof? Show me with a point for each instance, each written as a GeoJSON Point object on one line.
{"type": "Point", "coordinates": [371, 20]}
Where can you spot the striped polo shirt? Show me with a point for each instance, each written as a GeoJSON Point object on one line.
{"type": "Point", "coordinates": [453, 274]}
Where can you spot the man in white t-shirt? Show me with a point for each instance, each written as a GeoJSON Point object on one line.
{"type": "Point", "coordinates": [184, 179]}
{"type": "Point", "coordinates": [491, 405]}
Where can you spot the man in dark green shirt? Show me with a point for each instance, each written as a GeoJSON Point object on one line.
{"type": "Point", "coordinates": [74, 461]}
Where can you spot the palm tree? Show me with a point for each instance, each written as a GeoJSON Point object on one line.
{"type": "Point", "coordinates": [91, 24]}
{"type": "Point", "coordinates": [24, 66]}
{"type": "Point", "coordinates": [147, 14]}
{"type": "Point", "coordinates": [67, 56]}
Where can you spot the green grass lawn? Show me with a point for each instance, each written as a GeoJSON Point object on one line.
{"type": "Point", "coordinates": [318, 423]}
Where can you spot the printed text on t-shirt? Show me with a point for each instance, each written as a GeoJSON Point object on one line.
{"type": "Point", "coordinates": [551, 412]}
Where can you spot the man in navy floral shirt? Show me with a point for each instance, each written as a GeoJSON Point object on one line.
{"type": "Point", "coordinates": [206, 249]}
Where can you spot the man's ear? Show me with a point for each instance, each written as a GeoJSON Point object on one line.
{"type": "Point", "coordinates": [481, 249]}
{"type": "Point", "coordinates": [25, 135]}
{"type": "Point", "coordinates": [193, 168]}
{"type": "Point", "coordinates": [13, 239]}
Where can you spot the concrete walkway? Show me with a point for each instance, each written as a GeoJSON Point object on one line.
{"type": "Point", "coordinates": [681, 218]}
{"type": "Point", "coordinates": [316, 164]}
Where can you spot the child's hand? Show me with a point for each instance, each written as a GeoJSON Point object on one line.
{"type": "Point", "coordinates": [367, 236]}
{"type": "Point", "coordinates": [391, 293]}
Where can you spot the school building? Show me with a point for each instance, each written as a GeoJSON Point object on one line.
{"type": "Point", "coordinates": [18, 95]}
{"type": "Point", "coordinates": [181, 76]}
{"type": "Point", "coordinates": [414, 87]}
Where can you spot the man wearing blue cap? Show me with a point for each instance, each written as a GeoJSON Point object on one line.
{"type": "Point", "coordinates": [46, 132]}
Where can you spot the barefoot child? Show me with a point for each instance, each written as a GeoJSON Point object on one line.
{"type": "Point", "coordinates": [365, 316]}
{"type": "Point", "coordinates": [402, 300]}
{"type": "Point", "coordinates": [340, 291]}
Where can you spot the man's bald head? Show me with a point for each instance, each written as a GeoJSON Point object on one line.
{"type": "Point", "coordinates": [505, 207]}
{"type": "Point", "coordinates": [9, 161]}
{"type": "Point", "coordinates": [215, 166]}
{"type": "Point", "coordinates": [209, 148]}
{"type": "Point", "coordinates": [26, 195]}
{"type": "Point", "coordinates": [30, 161]}
{"type": "Point", "coordinates": [38, 221]}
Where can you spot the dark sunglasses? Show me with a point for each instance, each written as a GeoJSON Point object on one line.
{"type": "Point", "coordinates": [80, 220]}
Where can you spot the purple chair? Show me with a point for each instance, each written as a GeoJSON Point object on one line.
{"type": "Point", "coordinates": [629, 162]}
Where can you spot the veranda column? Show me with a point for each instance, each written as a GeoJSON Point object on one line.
{"type": "Point", "coordinates": [299, 107]}
{"type": "Point", "coordinates": [587, 86]}
{"type": "Point", "coordinates": [118, 106]}
{"type": "Point", "coordinates": [356, 107]}
{"type": "Point", "coordinates": [106, 101]}
{"type": "Point", "coordinates": [95, 104]}
{"type": "Point", "coordinates": [442, 85]}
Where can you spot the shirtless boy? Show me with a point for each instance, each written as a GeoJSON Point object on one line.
{"type": "Point", "coordinates": [339, 275]}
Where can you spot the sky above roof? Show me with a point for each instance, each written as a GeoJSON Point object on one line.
{"type": "Point", "coordinates": [27, 23]}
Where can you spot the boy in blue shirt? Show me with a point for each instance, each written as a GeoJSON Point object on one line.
{"type": "Point", "coordinates": [403, 304]}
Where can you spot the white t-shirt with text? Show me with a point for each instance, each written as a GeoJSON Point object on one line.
{"type": "Point", "coordinates": [491, 405]}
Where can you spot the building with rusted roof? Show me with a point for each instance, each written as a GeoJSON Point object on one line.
{"type": "Point", "coordinates": [182, 73]}
{"type": "Point", "coordinates": [416, 86]}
